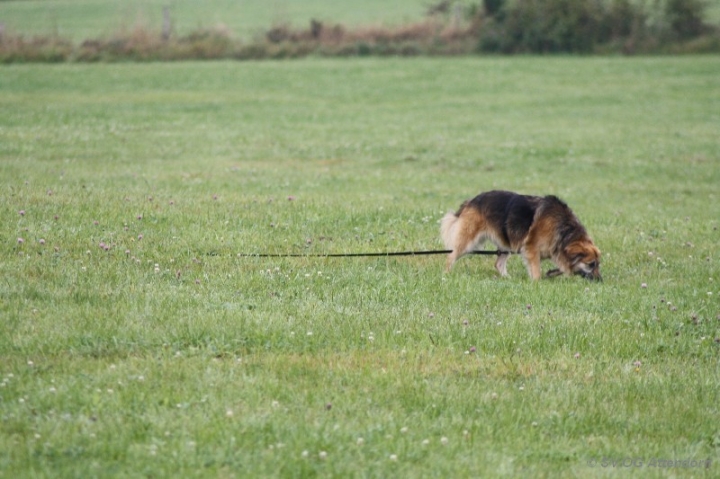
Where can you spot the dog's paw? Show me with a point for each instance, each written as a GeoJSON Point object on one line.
{"type": "Point", "coordinates": [553, 272]}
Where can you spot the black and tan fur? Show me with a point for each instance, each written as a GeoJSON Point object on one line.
{"type": "Point", "coordinates": [537, 227]}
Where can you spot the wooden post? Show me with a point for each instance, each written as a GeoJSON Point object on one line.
{"type": "Point", "coordinates": [167, 23]}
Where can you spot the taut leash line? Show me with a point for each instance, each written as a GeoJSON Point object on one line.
{"type": "Point", "coordinates": [356, 255]}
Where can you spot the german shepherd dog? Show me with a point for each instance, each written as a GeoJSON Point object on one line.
{"type": "Point", "coordinates": [537, 227]}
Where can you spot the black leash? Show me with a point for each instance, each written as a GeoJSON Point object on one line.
{"type": "Point", "coordinates": [356, 255]}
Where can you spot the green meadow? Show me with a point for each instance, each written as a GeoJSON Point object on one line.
{"type": "Point", "coordinates": [135, 342]}
{"type": "Point", "coordinates": [83, 19]}
{"type": "Point", "coordinates": [80, 20]}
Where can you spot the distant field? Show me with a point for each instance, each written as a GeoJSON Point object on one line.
{"type": "Point", "coordinates": [135, 343]}
{"type": "Point", "coordinates": [84, 19]}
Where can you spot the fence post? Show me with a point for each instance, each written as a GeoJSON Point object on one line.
{"type": "Point", "coordinates": [167, 23]}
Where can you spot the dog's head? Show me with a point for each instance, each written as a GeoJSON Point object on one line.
{"type": "Point", "coordinates": [584, 259]}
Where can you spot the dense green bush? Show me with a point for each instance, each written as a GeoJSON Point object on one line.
{"type": "Point", "coordinates": [685, 18]}
{"type": "Point", "coordinates": [585, 26]}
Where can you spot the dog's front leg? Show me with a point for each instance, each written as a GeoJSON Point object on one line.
{"type": "Point", "coordinates": [532, 262]}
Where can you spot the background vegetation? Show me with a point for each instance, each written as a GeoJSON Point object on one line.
{"type": "Point", "coordinates": [98, 30]}
{"type": "Point", "coordinates": [133, 341]}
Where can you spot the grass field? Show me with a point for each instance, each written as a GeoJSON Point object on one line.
{"type": "Point", "coordinates": [79, 20]}
{"type": "Point", "coordinates": [83, 19]}
{"type": "Point", "coordinates": [135, 343]}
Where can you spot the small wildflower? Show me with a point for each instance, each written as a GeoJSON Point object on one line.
{"type": "Point", "coordinates": [577, 355]}
{"type": "Point", "coordinates": [534, 424]}
{"type": "Point", "coordinates": [403, 430]}
{"type": "Point", "coordinates": [20, 241]}
{"type": "Point", "coordinates": [494, 396]}
{"type": "Point", "coordinates": [472, 349]}
{"type": "Point", "coordinates": [291, 198]}
{"type": "Point", "coordinates": [215, 197]}
{"type": "Point", "coordinates": [425, 442]}
{"type": "Point", "coordinates": [637, 364]}
{"type": "Point", "coordinates": [465, 322]}
{"type": "Point", "coordinates": [328, 406]}
{"type": "Point", "coordinates": [96, 222]}
{"type": "Point", "coordinates": [140, 236]}
{"type": "Point", "coordinates": [275, 404]}
{"type": "Point", "coordinates": [229, 413]}
{"type": "Point", "coordinates": [393, 457]}
{"type": "Point", "coordinates": [322, 455]}
{"type": "Point", "coordinates": [42, 241]}
{"type": "Point", "coordinates": [431, 315]}
{"type": "Point", "coordinates": [444, 441]}
{"type": "Point", "coordinates": [643, 285]}
{"type": "Point", "coordinates": [139, 217]}
{"type": "Point", "coordinates": [304, 454]}
{"type": "Point", "coordinates": [21, 212]}
{"type": "Point", "coordinates": [360, 441]}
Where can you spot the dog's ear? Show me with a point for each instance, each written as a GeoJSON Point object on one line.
{"type": "Point", "coordinates": [580, 250]}
{"type": "Point", "coordinates": [575, 251]}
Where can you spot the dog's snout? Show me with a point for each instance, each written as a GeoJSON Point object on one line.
{"type": "Point", "coordinates": [592, 276]}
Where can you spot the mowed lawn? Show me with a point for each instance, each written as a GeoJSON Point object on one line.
{"type": "Point", "coordinates": [134, 342]}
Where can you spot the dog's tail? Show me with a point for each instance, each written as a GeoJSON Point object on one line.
{"type": "Point", "coordinates": [448, 229]}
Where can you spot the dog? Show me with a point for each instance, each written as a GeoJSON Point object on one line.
{"type": "Point", "coordinates": [536, 227]}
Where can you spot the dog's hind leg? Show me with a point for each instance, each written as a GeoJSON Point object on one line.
{"type": "Point", "coordinates": [501, 263]}
{"type": "Point", "coordinates": [463, 245]}
{"type": "Point", "coordinates": [460, 234]}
